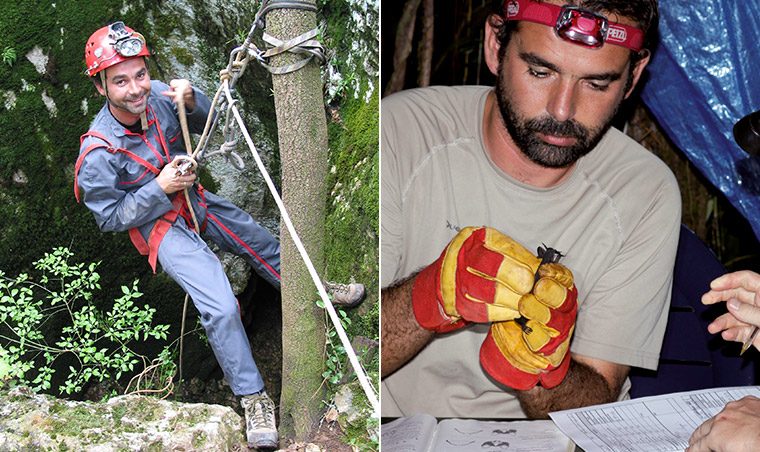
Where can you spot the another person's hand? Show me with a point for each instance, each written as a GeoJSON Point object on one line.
{"type": "Point", "coordinates": [169, 181]}
{"type": "Point", "coordinates": [741, 290]}
{"type": "Point", "coordinates": [521, 357]}
{"type": "Point", "coordinates": [181, 89]}
{"type": "Point", "coordinates": [480, 277]}
{"type": "Point", "coordinates": [735, 429]}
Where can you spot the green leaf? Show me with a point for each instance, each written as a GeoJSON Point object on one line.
{"type": "Point", "coordinates": [5, 369]}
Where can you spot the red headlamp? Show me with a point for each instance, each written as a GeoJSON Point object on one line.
{"type": "Point", "coordinates": [574, 24]}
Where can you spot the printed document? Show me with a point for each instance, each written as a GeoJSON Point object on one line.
{"type": "Point", "coordinates": [422, 433]}
{"type": "Point", "coordinates": [650, 424]}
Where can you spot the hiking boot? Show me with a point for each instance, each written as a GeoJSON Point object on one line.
{"type": "Point", "coordinates": [345, 295]}
{"type": "Point", "coordinates": [260, 427]}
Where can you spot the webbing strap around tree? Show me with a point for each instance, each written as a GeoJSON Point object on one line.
{"type": "Point", "coordinates": [304, 45]}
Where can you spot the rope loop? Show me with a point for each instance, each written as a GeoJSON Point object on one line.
{"type": "Point", "coordinates": [224, 75]}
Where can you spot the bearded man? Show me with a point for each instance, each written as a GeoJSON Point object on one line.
{"type": "Point", "coordinates": [474, 324]}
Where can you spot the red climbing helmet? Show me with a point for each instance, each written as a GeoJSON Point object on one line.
{"type": "Point", "coordinates": [111, 45]}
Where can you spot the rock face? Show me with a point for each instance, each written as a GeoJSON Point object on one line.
{"type": "Point", "coordinates": [30, 421]}
{"type": "Point", "coordinates": [138, 423]}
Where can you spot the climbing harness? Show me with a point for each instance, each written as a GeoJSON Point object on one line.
{"type": "Point", "coordinates": [181, 205]}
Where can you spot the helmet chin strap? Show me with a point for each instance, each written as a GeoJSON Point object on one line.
{"type": "Point", "coordinates": [144, 120]}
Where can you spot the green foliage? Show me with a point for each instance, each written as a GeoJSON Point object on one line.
{"type": "Point", "coordinates": [360, 441]}
{"type": "Point", "coordinates": [99, 341]}
{"type": "Point", "coordinates": [239, 38]}
{"type": "Point", "coordinates": [335, 354]}
{"type": "Point", "coordinates": [345, 84]}
{"type": "Point", "coordinates": [9, 55]}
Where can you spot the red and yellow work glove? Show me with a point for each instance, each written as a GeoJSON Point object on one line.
{"type": "Point", "coordinates": [481, 276]}
{"type": "Point", "coordinates": [534, 348]}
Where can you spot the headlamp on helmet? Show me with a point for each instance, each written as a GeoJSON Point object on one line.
{"type": "Point", "coordinates": [111, 45]}
{"type": "Point", "coordinates": [128, 44]}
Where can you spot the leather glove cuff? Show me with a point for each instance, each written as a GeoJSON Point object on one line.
{"type": "Point", "coordinates": [427, 309]}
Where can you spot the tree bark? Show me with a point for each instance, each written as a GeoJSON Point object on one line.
{"type": "Point", "coordinates": [302, 132]}
{"type": "Point", "coordinates": [426, 46]}
{"type": "Point", "coordinates": [404, 37]}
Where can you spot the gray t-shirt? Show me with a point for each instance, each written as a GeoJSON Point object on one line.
{"type": "Point", "coordinates": [616, 218]}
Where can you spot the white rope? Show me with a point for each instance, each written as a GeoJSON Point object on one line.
{"type": "Point", "coordinates": [361, 375]}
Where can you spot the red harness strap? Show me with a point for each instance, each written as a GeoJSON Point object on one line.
{"type": "Point", "coordinates": [159, 230]}
{"type": "Point", "coordinates": [110, 148]}
{"type": "Point", "coordinates": [162, 227]}
{"type": "Point", "coordinates": [162, 224]}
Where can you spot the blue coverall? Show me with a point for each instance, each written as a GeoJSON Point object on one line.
{"type": "Point", "coordinates": [123, 194]}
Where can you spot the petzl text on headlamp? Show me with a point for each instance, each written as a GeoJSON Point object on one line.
{"type": "Point", "coordinates": [576, 25]}
{"type": "Point", "coordinates": [127, 43]}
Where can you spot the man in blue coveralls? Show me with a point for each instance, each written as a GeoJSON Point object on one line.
{"type": "Point", "coordinates": [131, 182]}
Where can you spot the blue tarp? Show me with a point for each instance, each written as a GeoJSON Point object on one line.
{"type": "Point", "coordinates": [703, 78]}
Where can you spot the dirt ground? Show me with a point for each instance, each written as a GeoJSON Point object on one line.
{"type": "Point", "coordinates": [326, 437]}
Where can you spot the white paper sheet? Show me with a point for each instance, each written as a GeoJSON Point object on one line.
{"type": "Point", "coordinates": [649, 424]}
{"type": "Point", "coordinates": [466, 435]}
{"type": "Point", "coordinates": [420, 433]}
{"type": "Point", "coordinates": [408, 434]}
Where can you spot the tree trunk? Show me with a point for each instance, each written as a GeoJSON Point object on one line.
{"type": "Point", "coordinates": [404, 36]}
{"type": "Point", "coordinates": [426, 46]}
{"type": "Point", "coordinates": [302, 131]}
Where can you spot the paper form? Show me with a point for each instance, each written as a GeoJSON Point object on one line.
{"type": "Point", "coordinates": [650, 424]}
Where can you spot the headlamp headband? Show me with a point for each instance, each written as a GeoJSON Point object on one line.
{"type": "Point", "coordinates": [576, 25]}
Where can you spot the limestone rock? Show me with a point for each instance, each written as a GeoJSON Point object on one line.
{"type": "Point", "coordinates": [352, 412]}
{"type": "Point", "coordinates": [30, 421]}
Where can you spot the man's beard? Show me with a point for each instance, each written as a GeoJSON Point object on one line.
{"type": "Point", "coordinates": [124, 106]}
{"type": "Point", "coordinates": [525, 133]}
